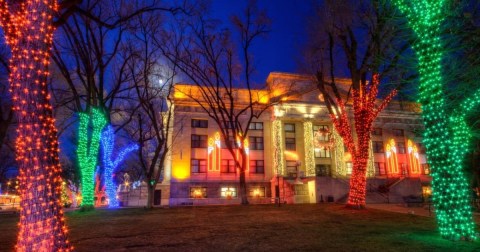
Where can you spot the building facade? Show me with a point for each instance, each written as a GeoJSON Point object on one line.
{"type": "Point", "coordinates": [294, 153]}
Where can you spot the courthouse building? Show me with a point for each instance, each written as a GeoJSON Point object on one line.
{"type": "Point", "coordinates": [295, 155]}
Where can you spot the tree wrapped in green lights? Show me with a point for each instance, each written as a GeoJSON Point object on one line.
{"type": "Point", "coordinates": [446, 136]}
{"type": "Point", "coordinates": [89, 133]}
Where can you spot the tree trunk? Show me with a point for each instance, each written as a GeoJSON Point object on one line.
{"type": "Point", "coordinates": [42, 226]}
{"type": "Point", "coordinates": [451, 193]}
{"type": "Point", "coordinates": [150, 193]}
{"type": "Point", "coordinates": [243, 183]}
{"type": "Point", "coordinates": [358, 184]}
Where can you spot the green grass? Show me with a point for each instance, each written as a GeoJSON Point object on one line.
{"type": "Point", "coordinates": [321, 227]}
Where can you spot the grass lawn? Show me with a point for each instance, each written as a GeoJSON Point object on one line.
{"type": "Point", "coordinates": [320, 227]}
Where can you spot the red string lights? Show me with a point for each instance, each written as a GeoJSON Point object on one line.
{"type": "Point", "coordinates": [28, 28]}
{"type": "Point", "coordinates": [365, 112]}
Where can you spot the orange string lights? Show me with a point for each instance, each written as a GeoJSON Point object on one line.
{"type": "Point", "coordinates": [28, 28]}
{"type": "Point", "coordinates": [365, 112]}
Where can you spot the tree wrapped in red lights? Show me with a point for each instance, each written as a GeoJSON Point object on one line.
{"type": "Point", "coordinates": [28, 28]}
{"type": "Point", "coordinates": [364, 111]}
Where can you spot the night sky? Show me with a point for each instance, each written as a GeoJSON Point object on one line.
{"type": "Point", "coordinates": [279, 51]}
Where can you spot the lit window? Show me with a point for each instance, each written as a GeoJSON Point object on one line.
{"type": "Point", "coordinates": [198, 192]}
{"type": "Point", "coordinates": [426, 169]}
{"type": "Point", "coordinates": [322, 128]}
{"type": "Point", "coordinates": [349, 168]}
{"type": "Point", "coordinates": [228, 192]}
{"type": "Point", "coordinates": [322, 153]}
{"type": "Point", "coordinates": [256, 192]}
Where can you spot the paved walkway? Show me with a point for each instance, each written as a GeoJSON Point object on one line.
{"type": "Point", "coordinates": [399, 208]}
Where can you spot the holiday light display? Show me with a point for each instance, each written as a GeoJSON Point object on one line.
{"type": "Point", "coordinates": [339, 155]}
{"type": "Point", "coordinates": [392, 158]}
{"type": "Point", "coordinates": [28, 28]}
{"type": "Point", "coordinates": [110, 165]}
{"type": "Point", "coordinates": [214, 153]}
{"type": "Point", "coordinates": [446, 136]}
{"type": "Point", "coordinates": [89, 133]}
{"type": "Point", "coordinates": [413, 158]}
{"type": "Point", "coordinates": [365, 112]}
{"type": "Point", "coordinates": [279, 164]}
{"type": "Point", "coordinates": [309, 148]}
{"type": "Point", "coordinates": [370, 163]}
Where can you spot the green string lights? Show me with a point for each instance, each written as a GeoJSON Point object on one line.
{"type": "Point", "coordinates": [446, 137]}
{"type": "Point", "coordinates": [87, 151]}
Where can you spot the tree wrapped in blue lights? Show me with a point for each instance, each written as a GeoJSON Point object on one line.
{"type": "Point", "coordinates": [446, 136]}
{"type": "Point", "coordinates": [110, 165]}
{"type": "Point", "coordinates": [89, 133]}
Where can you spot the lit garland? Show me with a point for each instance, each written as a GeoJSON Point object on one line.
{"type": "Point", "coordinates": [446, 138]}
{"type": "Point", "coordinates": [309, 148]}
{"type": "Point", "coordinates": [278, 147]}
{"type": "Point", "coordinates": [28, 29]}
{"type": "Point", "coordinates": [87, 151]}
{"type": "Point", "coordinates": [339, 154]}
{"type": "Point", "coordinates": [365, 112]}
{"type": "Point", "coordinates": [370, 164]}
{"type": "Point", "coordinates": [108, 140]}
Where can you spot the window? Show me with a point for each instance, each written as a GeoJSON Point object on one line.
{"type": "Point", "coordinates": [256, 126]}
{"type": "Point", "coordinates": [377, 146]}
{"type": "Point", "coordinates": [198, 192]}
{"type": "Point", "coordinates": [291, 168]}
{"type": "Point", "coordinates": [289, 127]}
{"type": "Point", "coordinates": [198, 165]}
{"type": "Point", "coordinates": [228, 166]}
{"type": "Point", "coordinates": [379, 168]}
{"type": "Point", "coordinates": [322, 170]}
{"type": "Point", "coordinates": [256, 143]}
{"type": "Point", "coordinates": [290, 144]}
{"type": "Point", "coordinates": [349, 168]}
{"type": "Point", "coordinates": [322, 153]}
{"type": "Point", "coordinates": [199, 141]}
{"type": "Point", "coordinates": [398, 132]}
{"type": "Point", "coordinates": [376, 131]}
{"type": "Point", "coordinates": [228, 192]}
{"type": "Point", "coordinates": [257, 192]}
{"type": "Point", "coordinates": [257, 166]}
{"type": "Point", "coordinates": [401, 147]}
{"type": "Point", "coordinates": [426, 169]}
{"type": "Point", "coordinates": [197, 123]}
{"type": "Point", "coordinates": [321, 137]}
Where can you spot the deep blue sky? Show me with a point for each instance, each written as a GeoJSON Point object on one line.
{"type": "Point", "coordinates": [279, 51]}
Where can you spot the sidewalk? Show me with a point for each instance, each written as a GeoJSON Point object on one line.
{"type": "Point", "coordinates": [399, 208]}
